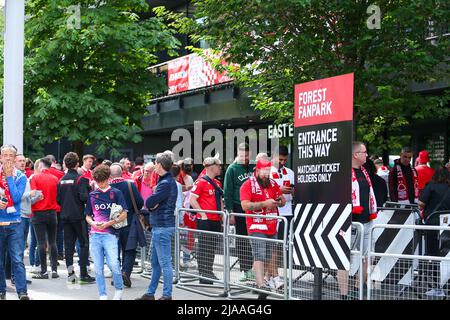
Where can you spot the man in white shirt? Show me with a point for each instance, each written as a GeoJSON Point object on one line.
{"type": "Point", "coordinates": [284, 177]}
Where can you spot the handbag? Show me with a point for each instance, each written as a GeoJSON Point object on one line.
{"type": "Point", "coordinates": [116, 210]}
{"type": "Point", "coordinates": [140, 217]}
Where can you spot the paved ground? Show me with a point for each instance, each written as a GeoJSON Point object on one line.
{"type": "Point", "coordinates": [58, 289]}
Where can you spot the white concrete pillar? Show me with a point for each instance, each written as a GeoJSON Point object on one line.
{"type": "Point", "coordinates": [13, 73]}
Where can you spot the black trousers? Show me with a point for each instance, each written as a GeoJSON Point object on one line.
{"type": "Point", "coordinates": [243, 248]}
{"type": "Point", "coordinates": [127, 256]}
{"type": "Point", "coordinates": [73, 231]}
{"type": "Point", "coordinates": [432, 249]}
{"type": "Point", "coordinates": [207, 246]}
{"type": "Point", "coordinates": [45, 225]}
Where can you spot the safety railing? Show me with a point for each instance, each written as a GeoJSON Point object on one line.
{"type": "Point", "coordinates": [207, 270]}
{"type": "Point", "coordinates": [406, 273]}
{"type": "Point", "coordinates": [270, 255]}
{"type": "Point", "coordinates": [207, 261]}
{"type": "Point", "coordinates": [306, 283]}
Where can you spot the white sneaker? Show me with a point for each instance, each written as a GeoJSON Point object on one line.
{"type": "Point", "coordinates": [108, 274]}
{"type": "Point", "coordinates": [435, 293]}
{"type": "Point", "coordinates": [36, 269]}
{"type": "Point", "coordinates": [118, 295]}
{"type": "Point", "coordinates": [278, 282]}
{"type": "Point", "coordinates": [270, 282]}
{"type": "Point", "coordinates": [187, 264]}
{"type": "Point", "coordinates": [103, 297]}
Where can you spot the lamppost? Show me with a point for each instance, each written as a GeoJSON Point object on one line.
{"type": "Point", "coordinates": [13, 73]}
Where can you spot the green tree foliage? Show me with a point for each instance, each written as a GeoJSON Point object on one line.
{"type": "Point", "coordinates": [90, 84]}
{"type": "Point", "coordinates": [282, 43]}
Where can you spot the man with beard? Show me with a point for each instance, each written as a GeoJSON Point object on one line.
{"type": "Point", "coordinates": [261, 195]}
{"type": "Point", "coordinates": [403, 179]}
{"type": "Point", "coordinates": [285, 178]}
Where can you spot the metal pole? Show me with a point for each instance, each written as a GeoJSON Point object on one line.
{"type": "Point", "coordinates": [317, 284]}
{"type": "Point", "coordinates": [13, 73]}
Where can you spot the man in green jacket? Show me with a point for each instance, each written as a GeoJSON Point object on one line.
{"type": "Point", "coordinates": [237, 173]}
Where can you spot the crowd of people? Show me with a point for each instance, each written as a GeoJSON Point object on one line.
{"type": "Point", "coordinates": [374, 183]}
{"type": "Point", "coordinates": [102, 209]}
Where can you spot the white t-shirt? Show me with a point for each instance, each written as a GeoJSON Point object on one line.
{"type": "Point", "coordinates": [284, 176]}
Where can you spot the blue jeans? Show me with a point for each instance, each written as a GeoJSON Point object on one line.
{"type": "Point", "coordinates": [34, 255]}
{"type": "Point", "coordinates": [161, 260]}
{"type": "Point", "coordinates": [101, 245]}
{"type": "Point", "coordinates": [22, 228]}
{"type": "Point", "coordinates": [11, 239]}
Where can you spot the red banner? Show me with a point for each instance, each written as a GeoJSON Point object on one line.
{"type": "Point", "coordinates": [192, 72]}
{"type": "Point", "coordinates": [178, 80]}
{"type": "Point", "coordinates": [324, 101]}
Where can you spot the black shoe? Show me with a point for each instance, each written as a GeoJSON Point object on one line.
{"type": "Point", "coordinates": [55, 275]}
{"type": "Point", "coordinates": [40, 276]}
{"type": "Point", "coordinates": [71, 278]}
{"type": "Point", "coordinates": [262, 296]}
{"type": "Point", "coordinates": [146, 297]}
{"type": "Point", "coordinates": [29, 281]}
{"type": "Point", "coordinates": [204, 281]}
{"type": "Point", "coordinates": [212, 276]}
{"type": "Point", "coordinates": [3, 296]}
{"type": "Point", "coordinates": [87, 280]}
{"type": "Point", "coordinates": [126, 280]}
{"type": "Point", "coordinates": [23, 296]}
{"type": "Point", "coordinates": [60, 257]}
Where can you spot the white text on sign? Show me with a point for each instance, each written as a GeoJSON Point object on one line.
{"type": "Point", "coordinates": [316, 144]}
{"type": "Point", "coordinates": [313, 103]}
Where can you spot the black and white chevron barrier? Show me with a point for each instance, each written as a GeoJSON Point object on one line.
{"type": "Point", "coordinates": [321, 235]}
{"type": "Point", "coordinates": [395, 241]}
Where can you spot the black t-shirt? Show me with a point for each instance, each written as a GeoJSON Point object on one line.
{"type": "Point", "coordinates": [363, 196]}
{"type": "Point", "coordinates": [380, 189]}
{"type": "Point", "coordinates": [432, 196]}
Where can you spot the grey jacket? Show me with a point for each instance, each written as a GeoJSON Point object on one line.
{"type": "Point", "coordinates": [27, 201]}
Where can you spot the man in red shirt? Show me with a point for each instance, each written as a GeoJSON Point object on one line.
{"type": "Point", "coordinates": [44, 216]}
{"type": "Point", "coordinates": [126, 168]}
{"type": "Point", "coordinates": [207, 194]}
{"type": "Point", "coordinates": [262, 196]}
{"type": "Point", "coordinates": [53, 169]}
{"type": "Point", "coordinates": [424, 172]}
{"type": "Point", "coordinates": [59, 229]}
{"type": "Point", "coordinates": [88, 161]}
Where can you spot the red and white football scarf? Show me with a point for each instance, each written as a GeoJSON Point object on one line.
{"type": "Point", "coordinates": [275, 174]}
{"type": "Point", "coordinates": [402, 187]}
{"type": "Point", "coordinates": [356, 201]}
{"type": "Point", "coordinates": [5, 190]}
{"type": "Point", "coordinates": [116, 180]}
{"type": "Point", "coordinates": [260, 195]}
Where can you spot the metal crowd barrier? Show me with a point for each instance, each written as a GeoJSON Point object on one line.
{"type": "Point", "coordinates": [144, 255]}
{"type": "Point", "coordinates": [406, 274]}
{"type": "Point", "coordinates": [302, 282]}
{"type": "Point", "coordinates": [210, 250]}
{"type": "Point", "coordinates": [396, 268]}
{"type": "Point", "coordinates": [276, 285]}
